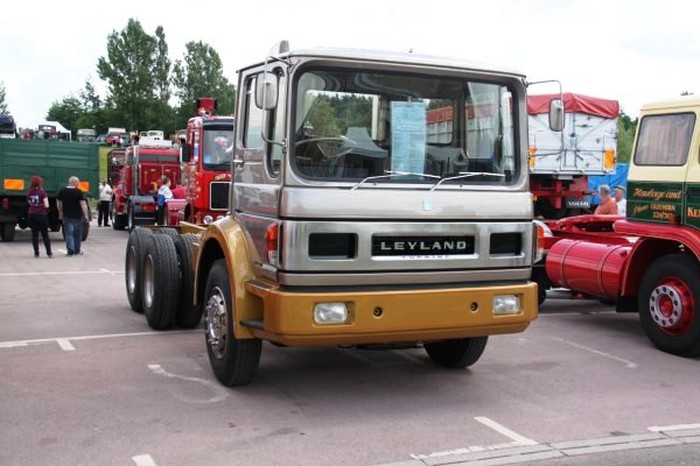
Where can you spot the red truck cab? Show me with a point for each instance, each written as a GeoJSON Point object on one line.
{"type": "Point", "coordinates": [207, 156]}
{"type": "Point", "coordinates": [139, 180]}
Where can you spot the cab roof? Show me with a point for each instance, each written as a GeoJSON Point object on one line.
{"type": "Point", "coordinates": [404, 58]}
{"type": "Point", "coordinates": [673, 103]}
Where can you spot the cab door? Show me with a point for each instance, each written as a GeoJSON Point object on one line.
{"type": "Point", "coordinates": [691, 208]}
{"type": "Point", "coordinates": [662, 159]}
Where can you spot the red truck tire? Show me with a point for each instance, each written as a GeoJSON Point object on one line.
{"type": "Point", "coordinates": [669, 296]}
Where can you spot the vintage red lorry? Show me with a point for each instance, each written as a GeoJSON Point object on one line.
{"type": "Point", "coordinates": [648, 262]}
{"type": "Point", "coordinates": [144, 166]}
{"type": "Point", "coordinates": [206, 166]}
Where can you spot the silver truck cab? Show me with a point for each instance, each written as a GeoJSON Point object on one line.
{"type": "Point", "coordinates": [353, 223]}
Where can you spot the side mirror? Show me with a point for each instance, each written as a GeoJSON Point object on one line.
{"type": "Point", "coordinates": [266, 91]}
{"type": "Point", "coordinates": [186, 156]}
{"type": "Point", "coordinates": [556, 115]}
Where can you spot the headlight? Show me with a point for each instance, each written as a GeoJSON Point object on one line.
{"type": "Point", "coordinates": [330, 313]}
{"type": "Point", "coordinates": [208, 219]}
{"type": "Point", "coordinates": [506, 304]}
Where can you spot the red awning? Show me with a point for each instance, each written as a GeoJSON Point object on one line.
{"type": "Point", "coordinates": [579, 103]}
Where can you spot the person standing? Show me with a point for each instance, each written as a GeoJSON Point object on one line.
{"type": "Point", "coordinates": [39, 214]}
{"type": "Point", "coordinates": [164, 194]}
{"type": "Point", "coordinates": [179, 190]}
{"type": "Point", "coordinates": [607, 204]}
{"type": "Point", "coordinates": [105, 198]}
{"type": "Point", "coordinates": [620, 192]}
{"type": "Point", "coordinates": [73, 211]}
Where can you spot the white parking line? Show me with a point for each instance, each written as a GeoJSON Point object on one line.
{"type": "Point", "coordinates": [74, 272]}
{"type": "Point", "coordinates": [66, 340]}
{"type": "Point", "coordinates": [673, 428]}
{"type": "Point", "coordinates": [222, 392]}
{"type": "Point", "coordinates": [514, 436]}
{"type": "Point", "coordinates": [143, 460]}
{"type": "Point", "coordinates": [65, 344]}
{"type": "Point", "coordinates": [628, 364]}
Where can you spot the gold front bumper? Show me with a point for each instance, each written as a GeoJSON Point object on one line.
{"type": "Point", "coordinates": [391, 316]}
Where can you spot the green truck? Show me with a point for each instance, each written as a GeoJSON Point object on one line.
{"type": "Point", "coordinates": [55, 162]}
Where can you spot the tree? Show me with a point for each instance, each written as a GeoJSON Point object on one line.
{"type": "Point", "coordinates": [626, 127]}
{"type": "Point", "coordinates": [3, 103]}
{"type": "Point", "coordinates": [200, 74]}
{"type": "Point", "coordinates": [136, 70]}
{"type": "Point", "coordinates": [67, 112]}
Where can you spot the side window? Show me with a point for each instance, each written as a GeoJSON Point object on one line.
{"type": "Point", "coordinates": [664, 140]}
{"type": "Point", "coordinates": [253, 118]}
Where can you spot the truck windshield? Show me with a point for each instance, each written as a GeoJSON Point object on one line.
{"type": "Point", "coordinates": [217, 147]}
{"type": "Point", "coordinates": [380, 127]}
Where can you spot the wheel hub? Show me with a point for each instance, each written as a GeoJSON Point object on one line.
{"type": "Point", "coordinates": [671, 306]}
{"type": "Point", "coordinates": [216, 323]}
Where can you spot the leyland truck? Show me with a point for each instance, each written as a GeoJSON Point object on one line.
{"type": "Point", "coordinates": [350, 223]}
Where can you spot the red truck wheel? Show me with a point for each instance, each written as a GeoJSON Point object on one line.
{"type": "Point", "coordinates": [456, 354]}
{"type": "Point", "coordinates": [233, 361]}
{"type": "Point", "coordinates": [668, 304]}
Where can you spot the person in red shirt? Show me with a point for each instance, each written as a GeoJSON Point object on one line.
{"type": "Point", "coordinates": [179, 191]}
{"type": "Point", "coordinates": [607, 205]}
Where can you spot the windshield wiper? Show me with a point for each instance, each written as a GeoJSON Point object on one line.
{"type": "Point", "coordinates": [390, 174]}
{"type": "Point", "coordinates": [463, 175]}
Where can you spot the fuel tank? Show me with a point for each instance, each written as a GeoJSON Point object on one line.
{"type": "Point", "coordinates": [589, 268]}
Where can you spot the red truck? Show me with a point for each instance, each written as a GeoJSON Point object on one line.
{"type": "Point", "coordinates": [648, 262]}
{"type": "Point", "coordinates": [206, 166]}
{"type": "Point", "coordinates": [134, 195]}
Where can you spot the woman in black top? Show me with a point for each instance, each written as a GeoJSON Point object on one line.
{"type": "Point", "coordinates": [39, 214]}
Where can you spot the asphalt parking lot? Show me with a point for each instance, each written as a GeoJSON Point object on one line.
{"type": "Point", "coordinates": [83, 380]}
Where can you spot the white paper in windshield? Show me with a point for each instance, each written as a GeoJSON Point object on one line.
{"type": "Point", "coordinates": [408, 135]}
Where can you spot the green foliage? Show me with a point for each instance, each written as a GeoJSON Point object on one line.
{"type": "Point", "coordinates": [3, 95]}
{"type": "Point", "coordinates": [626, 128]}
{"type": "Point", "coordinates": [141, 80]}
{"type": "Point", "coordinates": [200, 74]}
{"type": "Point", "coordinates": [68, 111]}
{"type": "Point", "coordinates": [137, 74]}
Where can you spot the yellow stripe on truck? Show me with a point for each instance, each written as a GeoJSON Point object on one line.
{"type": "Point", "coordinates": [11, 184]}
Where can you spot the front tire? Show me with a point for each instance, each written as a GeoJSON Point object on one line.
{"type": "Point", "coordinates": [234, 361]}
{"type": "Point", "coordinates": [669, 296]}
{"type": "Point", "coordinates": [456, 354]}
{"type": "Point", "coordinates": [7, 232]}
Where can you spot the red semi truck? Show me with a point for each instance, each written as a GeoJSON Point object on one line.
{"type": "Point", "coordinates": [648, 262]}
{"type": "Point", "coordinates": [206, 167]}
{"type": "Point", "coordinates": [134, 201]}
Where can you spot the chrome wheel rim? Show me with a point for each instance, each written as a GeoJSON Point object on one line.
{"type": "Point", "coordinates": [217, 322]}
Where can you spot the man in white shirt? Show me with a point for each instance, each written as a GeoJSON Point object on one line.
{"type": "Point", "coordinates": [105, 199]}
{"type": "Point", "coordinates": [164, 193]}
{"type": "Point", "coordinates": [620, 192]}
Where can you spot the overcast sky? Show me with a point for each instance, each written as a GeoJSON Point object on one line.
{"type": "Point", "coordinates": [630, 51]}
